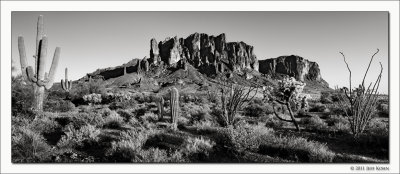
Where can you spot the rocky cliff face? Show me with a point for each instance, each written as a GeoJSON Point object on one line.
{"type": "Point", "coordinates": [210, 54]}
{"type": "Point", "coordinates": [302, 69]}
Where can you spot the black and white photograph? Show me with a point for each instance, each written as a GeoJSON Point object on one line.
{"type": "Point", "coordinates": [201, 87]}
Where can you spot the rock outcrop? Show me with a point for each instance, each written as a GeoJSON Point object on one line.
{"type": "Point", "coordinates": [210, 54]}
{"type": "Point", "coordinates": [154, 52]}
{"type": "Point", "coordinates": [296, 66]}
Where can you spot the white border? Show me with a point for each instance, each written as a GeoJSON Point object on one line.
{"type": "Point", "coordinates": [8, 6]}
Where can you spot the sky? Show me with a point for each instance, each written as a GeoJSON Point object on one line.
{"type": "Point", "coordinates": [92, 40]}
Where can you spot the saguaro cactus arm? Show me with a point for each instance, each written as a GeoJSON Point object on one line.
{"type": "Point", "coordinates": [53, 68]}
{"type": "Point", "coordinates": [22, 56]}
{"type": "Point", "coordinates": [42, 58]}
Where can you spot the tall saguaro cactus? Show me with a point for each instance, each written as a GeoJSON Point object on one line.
{"type": "Point", "coordinates": [174, 106]}
{"type": "Point", "coordinates": [66, 85]}
{"type": "Point", "coordinates": [37, 75]}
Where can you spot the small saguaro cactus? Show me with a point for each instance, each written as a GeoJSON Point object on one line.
{"type": "Point", "coordinates": [160, 106]}
{"type": "Point", "coordinates": [174, 106]}
{"type": "Point", "coordinates": [37, 75]}
{"type": "Point", "coordinates": [66, 85]}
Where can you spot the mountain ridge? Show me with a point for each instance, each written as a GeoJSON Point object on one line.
{"type": "Point", "coordinates": [212, 55]}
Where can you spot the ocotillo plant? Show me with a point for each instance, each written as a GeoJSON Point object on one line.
{"type": "Point", "coordinates": [174, 106]}
{"type": "Point", "coordinates": [160, 105]}
{"type": "Point", "coordinates": [66, 85]}
{"type": "Point", "coordinates": [232, 99]}
{"type": "Point", "coordinates": [359, 104]}
{"type": "Point", "coordinates": [37, 74]}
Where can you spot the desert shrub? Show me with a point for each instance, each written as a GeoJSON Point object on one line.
{"type": "Point", "coordinates": [335, 96]}
{"type": "Point", "coordinates": [148, 117]}
{"type": "Point", "coordinates": [383, 110]}
{"type": "Point", "coordinates": [71, 156]}
{"type": "Point", "coordinates": [85, 88]}
{"type": "Point", "coordinates": [296, 149]}
{"type": "Point", "coordinates": [254, 110]}
{"type": "Point", "coordinates": [77, 138]}
{"type": "Point", "coordinates": [339, 123]}
{"type": "Point", "coordinates": [187, 98]}
{"type": "Point", "coordinates": [198, 149]}
{"type": "Point", "coordinates": [113, 121]}
{"type": "Point", "coordinates": [273, 122]}
{"type": "Point", "coordinates": [129, 148]}
{"type": "Point", "coordinates": [126, 104]}
{"type": "Point", "coordinates": [326, 97]}
{"type": "Point", "coordinates": [28, 146]}
{"type": "Point", "coordinates": [318, 107]}
{"type": "Point", "coordinates": [44, 124]}
{"type": "Point", "coordinates": [81, 119]}
{"type": "Point", "coordinates": [314, 123]}
{"type": "Point", "coordinates": [378, 127]}
{"type": "Point", "coordinates": [196, 113]}
{"type": "Point", "coordinates": [126, 114]}
{"type": "Point", "coordinates": [57, 93]}
{"type": "Point", "coordinates": [249, 137]}
{"type": "Point", "coordinates": [375, 140]}
{"type": "Point", "coordinates": [212, 96]}
{"type": "Point", "coordinates": [258, 109]}
{"type": "Point", "coordinates": [167, 140]}
{"type": "Point", "coordinates": [201, 99]}
{"type": "Point", "coordinates": [125, 151]}
{"type": "Point", "coordinates": [21, 98]}
{"type": "Point", "coordinates": [182, 121]}
{"type": "Point", "coordinates": [335, 109]}
{"type": "Point", "coordinates": [141, 97]}
{"type": "Point", "coordinates": [58, 105]}
{"type": "Point", "coordinates": [92, 98]}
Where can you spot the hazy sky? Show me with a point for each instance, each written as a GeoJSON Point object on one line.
{"type": "Point", "coordinates": [91, 40]}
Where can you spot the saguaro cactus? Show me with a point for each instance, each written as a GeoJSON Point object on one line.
{"type": "Point", "coordinates": [160, 106]}
{"type": "Point", "coordinates": [174, 106]}
{"type": "Point", "coordinates": [66, 85]}
{"type": "Point", "coordinates": [37, 75]}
